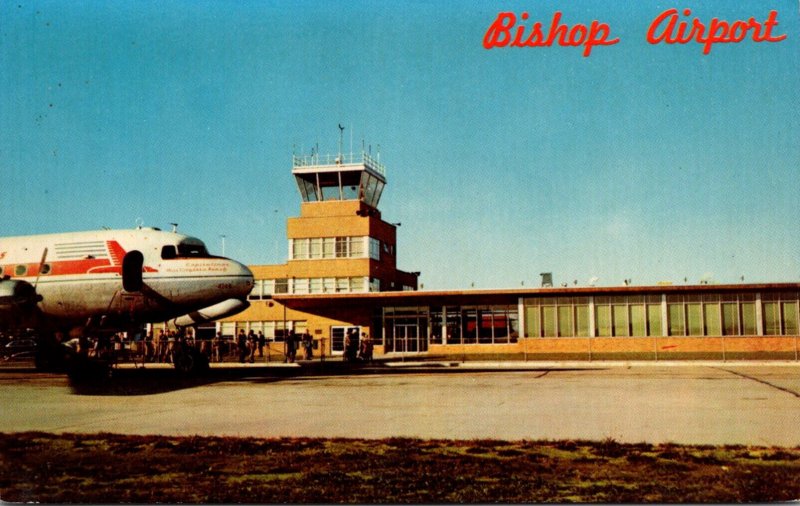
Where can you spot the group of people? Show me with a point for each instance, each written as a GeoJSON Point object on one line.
{"type": "Point", "coordinates": [248, 344]}
{"type": "Point", "coordinates": [356, 349]}
{"type": "Point", "coordinates": [295, 341]}
{"type": "Point", "coordinates": [161, 348]}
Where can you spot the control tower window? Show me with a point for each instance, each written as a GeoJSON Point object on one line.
{"type": "Point", "coordinates": [329, 184]}
{"type": "Point", "coordinates": [325, 178]}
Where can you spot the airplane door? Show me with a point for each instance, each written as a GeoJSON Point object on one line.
{"type": "Point", "coordinates": [132, 271]}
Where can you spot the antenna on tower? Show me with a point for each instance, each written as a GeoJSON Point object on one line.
{"type": "Point", "coordinates": [341, 135]}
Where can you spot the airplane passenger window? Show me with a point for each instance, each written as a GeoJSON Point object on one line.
{"type": "Point", "coordinates": [168, 252]}
{"type": "Point", "coordinates": [21, 270]}
{"type": "Point", "coordinates": [45, 269]}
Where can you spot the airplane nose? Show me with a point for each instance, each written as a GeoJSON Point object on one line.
{"type": "Point", "coordinates": [245, 277]}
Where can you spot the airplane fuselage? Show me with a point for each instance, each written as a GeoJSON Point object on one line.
{"type": "Point", "coordinates": [121, 276]}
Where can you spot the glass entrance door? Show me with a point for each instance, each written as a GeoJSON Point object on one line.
{"type": "Point", "coordinates": [407, 339]}
{"type": "Point", "coordinates": [337, 338]}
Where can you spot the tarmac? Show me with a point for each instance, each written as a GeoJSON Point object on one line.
{"type": "Point", "coordinates": [697, 402]}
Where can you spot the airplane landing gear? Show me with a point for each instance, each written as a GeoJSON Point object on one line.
{"type": "Point", "coordinates": [51, 355]}
{"type": "Point", "coordinates": [189, 361]}
{"type": "Point", "coordinates": [82, 368]}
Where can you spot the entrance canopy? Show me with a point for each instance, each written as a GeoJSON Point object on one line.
{"type": "Point", "coordinates": [508, 296]}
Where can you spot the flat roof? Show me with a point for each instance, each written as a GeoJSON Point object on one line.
{"type": "Point", "coordinates": [506, 296]}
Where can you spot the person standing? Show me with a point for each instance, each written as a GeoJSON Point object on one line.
{"type": "Point", "coordinates": [160, 346]}
{"type": "Point", "coordinates": [252, 344]}
{"type": "Point", "coordinates": [171, 340]}
{"type": "Point", "coordinates": [308, 345]}
{"type": "Point", "coordinates": [148, 347]}
{"type": "Point", "coordinates": [366, 347]}
{"type": "Point", "coordinates": [349, 341]}
{"type": "Point", "coordinates": [291, 346]}
{"type": "Point", "coordinates": [241, 344]}
{"type": "Point", "coordinates": [262, 341]}
{"type": "Point", "coordinates": [216, 348]}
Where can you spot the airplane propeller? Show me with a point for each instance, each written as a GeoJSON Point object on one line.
{"type": "Point", "coordinates": [39, 270]}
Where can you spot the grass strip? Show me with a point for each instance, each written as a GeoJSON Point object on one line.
{"type": "Point", "coordinates": [110, 468]}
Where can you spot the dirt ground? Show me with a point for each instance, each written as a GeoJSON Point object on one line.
{"type": "Point", "coordinates": [107, 468]}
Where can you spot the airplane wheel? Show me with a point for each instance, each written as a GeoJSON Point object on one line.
{"type": "Point", "coordinates": [81, 368]}
{"type": "Point", "coordinates": [50, 360]}
{"type": "Point", "coordinates": [191, 362]}
{"type": "Point", "coordinates": [43, 362]}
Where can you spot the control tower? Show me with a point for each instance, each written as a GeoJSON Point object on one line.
{"type": "Point", "coordinates": [340, 233]}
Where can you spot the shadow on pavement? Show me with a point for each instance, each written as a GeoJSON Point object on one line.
{"type": "Point", "coordinates": [130, 381]}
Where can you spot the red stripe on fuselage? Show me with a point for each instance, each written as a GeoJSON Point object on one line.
{"type": "Point", "coordinates": [116, 251]}
{"type": "Point", "coordinates": [81, 266]}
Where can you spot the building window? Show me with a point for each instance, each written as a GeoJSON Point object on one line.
{"type": "Point", "coordinates": [299, 249]}
{"type": "Point", "coordinates": [779, 314]}
{"type": "Point", "coordinates": [341, 247]}
{"type": "Point", "coordinates": [273, 330]}
{"type": "Point", "coordinates": [712, 319]}
{"type": "Point", "coordinates": [228, 329]}
{"type": "Point", "coordinates": [560, 317]}
{"type": "Point", "coordinates": [281, 285]}
{"type": "Point", "coordinates": [565, 320]}
{"type": "Point", "coordinates": [602, 315]}
{"type": "Point", "coordinates": [357, 247]}
{"type": "Point", "coordinates": [675, 320]}
{"type": "Point", "coordinates": [730, 319]}
{"type": "Point", "coordinates": [264, 287]}
{"type": "Point", "coordinates": [694, 319]}
{"type": "Point", "coordinates": [301, 285]}
{"type": "Point", "coordinates": [256, 292]}
{"type": "Point", "coordinates": [789, 311]}
{"type": "Point", "coordinates": [357, 284]}
{"type": "Point", "coordinates": [638, 318]}
{"type": "Point", "coordinates": [329, 247]}
{"type": "Point", "coordinates": [654, 327]}
{"type": "Point", "coordinates": [374, 248]}
{"type": "Point", "coordinates": [749, 322]}
{"type": "Point", "coordinates": [455, 325]}
{"type": "Point", "coordinates": [316, 248]}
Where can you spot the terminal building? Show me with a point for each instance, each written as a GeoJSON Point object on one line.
{"type": "Point", "coordinates": [341, 278]}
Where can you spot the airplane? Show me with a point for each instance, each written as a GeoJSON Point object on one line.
{"type": "Point", "coordinates": [81, 282]}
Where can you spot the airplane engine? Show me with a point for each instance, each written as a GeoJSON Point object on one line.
{"type": "Point", "coordinates": [220, 310]}
{"type": "Point", "coordinates": [17, 299]}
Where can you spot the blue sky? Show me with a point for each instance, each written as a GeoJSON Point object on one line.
{"type": "Point", "coordinates": [646, 162]}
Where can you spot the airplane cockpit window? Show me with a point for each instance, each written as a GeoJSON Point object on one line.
{"type": "Point", "coordinates": [184, 250]}
{"type": "Point", "coordinates": [193, 250]}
